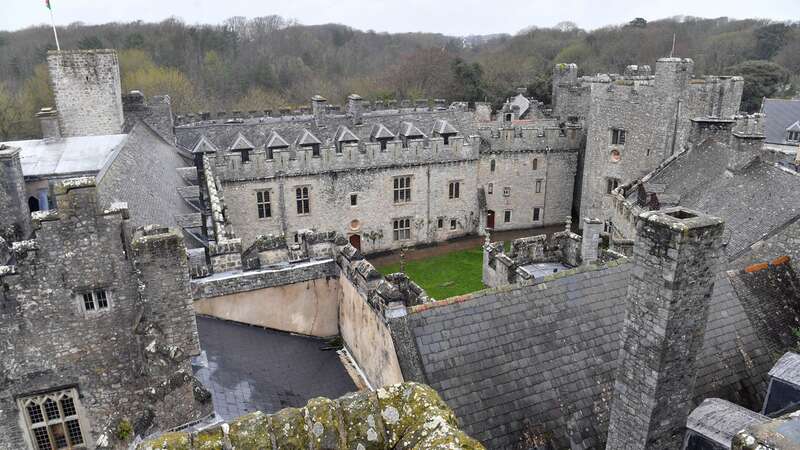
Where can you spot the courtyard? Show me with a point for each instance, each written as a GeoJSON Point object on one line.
{"type": "Point", "coordinates": [451, 268]}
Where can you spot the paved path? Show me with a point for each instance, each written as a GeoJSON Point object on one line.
{"type": "Point", "coordinates": [459, 244]}
{"type": "Point", "coordinates": [251, 368]}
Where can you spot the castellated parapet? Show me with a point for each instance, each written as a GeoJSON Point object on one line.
{"type": "Point", "coordinates": [86, 85]}
{"type": "Point", "coordinates": [101, 314]}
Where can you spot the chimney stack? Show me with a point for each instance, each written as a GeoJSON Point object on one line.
{"type": "Point", "coordinates": [48, 121]}
{"type": "Point", "coordinates": [674, 267]}
{"type": "Point", "coordinates": [355, 108]}
{"type": "Point", "coordinates": [746, 141]}
{"type": "Point", "coordinates": [318, 108]}
{"type": "Point", "coordinates": [15, 217]}
{"type": "Point", "coordinates": [591, 240]}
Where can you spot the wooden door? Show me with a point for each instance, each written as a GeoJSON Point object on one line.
{"type": "Point", "coordinates": [355, 241]}
{"type": "Point", "coordinates": [490, 219]}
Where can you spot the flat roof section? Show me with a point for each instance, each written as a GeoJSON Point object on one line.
{"type": "Point", "coordinates": [254, 369]}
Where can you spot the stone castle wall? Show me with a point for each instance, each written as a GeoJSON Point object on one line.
{"type": "Point", "coordinates": [86, 85]}
{"type": "Point", "coordinates": [655, 112]}
{"type": "Point", "coordinates": [129, 361]}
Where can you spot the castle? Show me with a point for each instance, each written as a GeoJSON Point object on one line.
{"type": "Point", "coordinates": [582, 341]}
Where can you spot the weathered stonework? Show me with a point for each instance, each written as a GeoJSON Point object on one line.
{"type": "Point", "coordinates": [675, 263]}
{"type": "Point", "coordinates": [86, 85]}
{"type": "Point", "coordinates": [15, 218]}
{"type": "Point", "coordinates": [127, 356]}
{"type": "Point", "coordinates": [402, 416]}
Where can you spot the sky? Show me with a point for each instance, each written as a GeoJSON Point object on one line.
{"type": "Point", "coordinates": [451, 17]}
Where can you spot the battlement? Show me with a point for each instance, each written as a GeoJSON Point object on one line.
{"type": "Point", "coordinates": [389, 296]}
{"type": "Point", "coordinates": [364, 107]}
{"type": "Point", "coordinates": [749, 125]}
{"type": "Point", "coordinates": [531, 138]}
{"type": "Point", "coordinates": [299, 160]}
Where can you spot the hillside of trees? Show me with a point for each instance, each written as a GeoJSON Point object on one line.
{"type": "Point", "coordinates": [271, 62]}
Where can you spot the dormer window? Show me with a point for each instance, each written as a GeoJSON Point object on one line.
{"type": "Point", "coordinates": [343, 137]}
{"type": "Point", "coordinates": [275, 142]}
{"type": "Point", "coordinates": [309, 141]}
{"type": "Point", "coordinates": [443, 129]}
{"type": "Point", "coordinates": [243, 147]}
{"type": "Point", "coordinates": [793, 136]}
{"type": "Point", "coordinates": [382, 135]}
{"type": "Point", "coordinates": [408, 132]}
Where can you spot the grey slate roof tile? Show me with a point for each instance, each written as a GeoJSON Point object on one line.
{"type": "Point", "coordinates": [547, 358]}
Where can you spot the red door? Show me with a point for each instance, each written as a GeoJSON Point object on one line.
{"type": "Point", "coordinates": [490, 219]}
{"type": "Point", "coordinates": [355, 241]}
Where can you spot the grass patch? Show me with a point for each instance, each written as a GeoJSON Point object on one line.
{"type": "Point", "coordinates": [445, 276]}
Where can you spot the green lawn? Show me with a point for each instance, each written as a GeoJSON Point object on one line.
{"type": "Point", "coordinates": [447, 275]}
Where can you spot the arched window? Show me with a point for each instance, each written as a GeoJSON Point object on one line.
{"type": "Point", "coordinates": [492, 166]}
{"type": "Point", "coordinates": [33, 204]}
{"type": "Point", "coordinates": [535, 163]}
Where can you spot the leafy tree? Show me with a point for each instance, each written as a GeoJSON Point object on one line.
{"type": "Point", "coordinates": [164, 80]}
{"type": "Point", "coordinates": [761, 79]}
{"type": "Point", "coordinates": [770, 39]}
{"type": "Point", "coordinates": [258, 99]}
{"type": "Point", "coordinates": [469, 80]}
{"type": "Point", "coordinates": [638, 22]}
{"type": "Point", "coordinates": [90, 43]}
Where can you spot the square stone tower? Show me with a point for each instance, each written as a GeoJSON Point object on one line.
{"type": "Point", "coordinates": [674, 266]}
{"type": "Point", "coordinates": [87, 89]}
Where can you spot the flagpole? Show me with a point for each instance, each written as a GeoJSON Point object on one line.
{"type": "Point", "coordinates": [55, 33]}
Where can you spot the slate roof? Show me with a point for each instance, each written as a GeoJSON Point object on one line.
{"type": "Point", "coordinates": [720, 420]}
{"type": "Point", "coordinates": [307, 139]}
{"type": "Point", "coordinates": [522, 103]}
{"type": "Point", "coordinates": [275, 140]}
{"type": "Point", "coordinates": [787, 368]}
{"type": "Point", "coordinates": [291, 128]}
{"type": "Point", "coordinates": [241, 143]}
{"type": "Point", "coordinates": [204, 145]}
{"type": "Point", "coordinates": [343, 134]}
{"type": "Point", "coordinates": [781, 114]}
{"type": "Point", "coordinates": [408, 129]}
{"type": "Point", "coordinates": [754, 202]}
{"type": "Point", "coordinates": [442, 127]}
{"type": "Point", "coordinates": [71, 156]}
{"type": "Point", "coordinates": [144, 175]}
{"type": "Point", "coordinates": [545, 355]}
{"type": "Point", "coordinates": [379, 131]}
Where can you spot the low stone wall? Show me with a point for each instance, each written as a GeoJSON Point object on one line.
{"type": "Point", "coordinates": [302, 298]}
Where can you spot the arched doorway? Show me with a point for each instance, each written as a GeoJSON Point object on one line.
{"type": "Point", "coordinates": [490, 219]}
{"type": "Point", "coordinates": [33, 204]}
{"type": "Point", "coordinates": [355, 241]}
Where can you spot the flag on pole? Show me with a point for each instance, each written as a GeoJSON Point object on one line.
{"type": "Point", "coordinates": [55, 33]}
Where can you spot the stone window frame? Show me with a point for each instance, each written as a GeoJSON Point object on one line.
{"type": "Point", "coordinates": [454, 190]}
{"type": "Point", "coordinates": [490, 188]}
{"type": "Point", "coordinates": [353, 199]}
{"type": "Point", "coordinates": [611, 184]}
{"type": "Point", "coordinates": [539, 185]}
{"type": "Point", "coordinates": [440, 223]}
{"type": "Point", "coordinates": [793, 136]}
{"type": "Point", "coordinates": [401, 229]}
{"type": "Point", "coordinates": [535, 164]}
{"type": "Point", "coordinates": [492, 165]}
{"type": "Point", "coordinates": [618, 136]}
{"type": "Point", "coordinates": [98, 297]}
{"type": "Point", "coordinates": [453, 224]}
{"type": "Point", "coordinates": [537, 214]}
{"type": "Point", "coordinates": [303, 200]}
{"type": "Point", "coordinates": [508, 216]}
{"type": "Point", "coordinates": [401, 189]}
{"type": "Point", "coordinates": [507, 191]}
{"type": "Point", "coordinates": [69, 418]}
{"type": "Point", "coordinates": [264, 203]}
